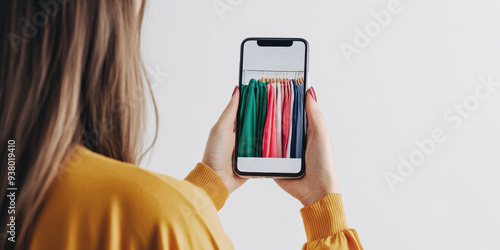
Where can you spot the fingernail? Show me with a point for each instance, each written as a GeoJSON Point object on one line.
{"type": "Point", "coordinates": [313, 94]}
{"type": "Point", "coordinates": [234, 91]}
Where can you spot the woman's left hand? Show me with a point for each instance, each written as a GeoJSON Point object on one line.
{"type": "Point", "coordinates": [219, 151]}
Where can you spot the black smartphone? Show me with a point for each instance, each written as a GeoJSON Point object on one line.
{"type": "Point", "coordinates": [271, 119]}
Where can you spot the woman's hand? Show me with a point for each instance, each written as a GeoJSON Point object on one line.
{"type": "Point", "coordinates": [219, 150]}
{"type": "Point", "coordinates": [320, 178]}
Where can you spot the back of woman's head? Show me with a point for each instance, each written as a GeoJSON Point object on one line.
{"type": "Point", "coordinates": [70, 73]}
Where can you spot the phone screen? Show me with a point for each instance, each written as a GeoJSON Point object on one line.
{"type": "Point", "coordinates": [270, 133]}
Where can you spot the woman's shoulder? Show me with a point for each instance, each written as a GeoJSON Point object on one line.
{"type": "Point", "coordinates": [92, 175]}
{"type": "Point", "coordinates": [97, 196]}
{"type": "Point", "coordinates": [91, 178]}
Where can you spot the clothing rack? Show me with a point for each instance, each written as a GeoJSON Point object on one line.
{"type": "Point", "coordinates": [272, 114]}
{"type": "Point", "coordinates": [258, 73]}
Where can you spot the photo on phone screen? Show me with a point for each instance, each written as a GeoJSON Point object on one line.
{"type": "Point", "coordinates": [270, 133]}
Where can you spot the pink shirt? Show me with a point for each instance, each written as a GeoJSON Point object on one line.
{"type": "Point", "coordinates": [269, 147]}
{"type": "Point", "coordinates": [285, 118]}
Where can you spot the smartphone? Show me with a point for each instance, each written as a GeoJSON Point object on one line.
{"type": "Point", "coordinates": [271, 118]}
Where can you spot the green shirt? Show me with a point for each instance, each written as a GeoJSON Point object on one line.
{"type": "Point", "coordinates": [262, 115]}
{"type": "Point", "coordinates": [248, 121]}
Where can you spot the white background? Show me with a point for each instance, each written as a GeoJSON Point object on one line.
{"type": "Point", "coordinates": [396, 90]}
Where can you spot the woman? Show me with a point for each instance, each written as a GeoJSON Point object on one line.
{"type": "Point", "coordinates": [72, 101]}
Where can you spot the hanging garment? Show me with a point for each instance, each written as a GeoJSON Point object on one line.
{"type": "Point", "coordinates": [300, 120]}
{"type": "Point", "coordinates": [246, 145]}
{"type": "Point", "coordinates": [261, 115]}
{"type": "Point", "coordinates": [258, 106]}
{"type": "Point", "coordinates": [283, 147]}
{"type": "Point", "coordinates": [285, 118]}
{"type": "Point", "coordinates": [274, 133]}
{"type": "Point", "coordinates": [269, 144]}
{"type": "Point", "coordinates": [279, 104]}
{"type": "Point", "coordinates": [243, 99]}
{"type": "Point", "coordinates": [292, 98]}
{"type": "Point", "coordinates": [294, 120]}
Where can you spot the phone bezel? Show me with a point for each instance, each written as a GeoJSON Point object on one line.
{"type": "Point", "coordinates": [303, 164]}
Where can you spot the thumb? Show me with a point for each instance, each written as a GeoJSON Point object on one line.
{"type": "Point", "coordinates": [228, 117]}
{"type": "Point", "coordinates": [315, 120]}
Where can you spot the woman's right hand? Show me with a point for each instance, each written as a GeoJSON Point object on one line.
{"type": "Point", "coordinates": [320, 178]}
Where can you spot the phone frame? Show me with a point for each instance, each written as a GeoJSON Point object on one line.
{"type": "Point", "coordinates": [270, 40]}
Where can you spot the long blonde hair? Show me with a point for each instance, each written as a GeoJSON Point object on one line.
{"type": "Point", "coordinates": [70, 73]}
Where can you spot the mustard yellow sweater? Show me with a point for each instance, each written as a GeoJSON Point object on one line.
{"type": "Point", "coordinates": [101, 203]}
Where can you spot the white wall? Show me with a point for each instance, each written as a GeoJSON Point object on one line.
{"type": "Point", "coordinates": [396, 90]}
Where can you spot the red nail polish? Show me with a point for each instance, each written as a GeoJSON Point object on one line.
{"type": "Point", "coordinates": [313, 94]}
{"type": "Point", "coordinates": [234, 91]}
